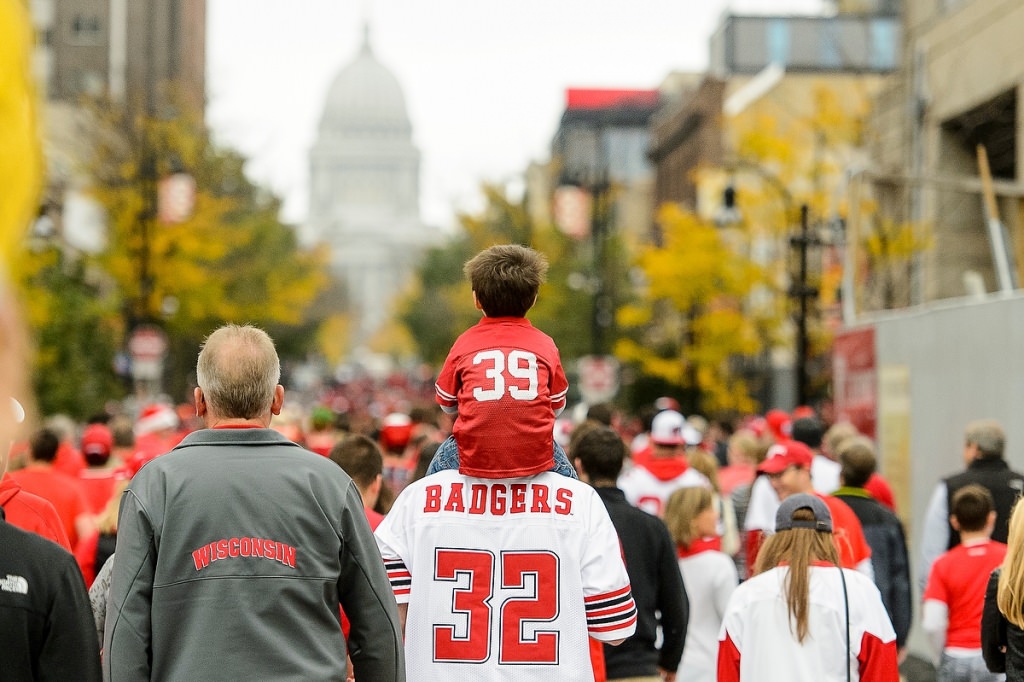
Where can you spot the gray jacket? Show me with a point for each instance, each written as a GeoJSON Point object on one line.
{"type": "Point", "coordinates": [234, 551]}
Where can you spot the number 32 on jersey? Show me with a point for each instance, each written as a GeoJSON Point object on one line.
{"type": "Point", "coordinates": [533, 576]}
{"type": "Point", "coordinates": [519, 364]}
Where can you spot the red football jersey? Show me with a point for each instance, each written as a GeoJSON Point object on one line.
{"type": "Point", "coordinates": [505, 379]}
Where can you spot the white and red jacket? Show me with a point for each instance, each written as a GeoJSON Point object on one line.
{"type": "Point", "coordinates": [758, 642]}
{"type": "Point", "coordinates": [651, 481]}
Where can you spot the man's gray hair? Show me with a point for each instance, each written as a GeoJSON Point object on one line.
{"type": "Point", "coordinates": [238, 371]}
{"type": "Point", "coordinates": [988, 435]}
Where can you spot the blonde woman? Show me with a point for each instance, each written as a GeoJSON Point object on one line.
{"type": "Point", "coordinates": [705, 463]}
{"type": "Point", "coordinates": [1002, 621]}
{"type": "Point", "coordinates": [798, 589]}
{"type": "Point", "coordinates": [708, 573]}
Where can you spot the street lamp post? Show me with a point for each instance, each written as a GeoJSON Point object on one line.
{"type": "Point", "coordinates": [804, 293]}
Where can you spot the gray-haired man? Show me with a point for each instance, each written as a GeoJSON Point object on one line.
{"type": "Point", "coordinates": [235, 549]}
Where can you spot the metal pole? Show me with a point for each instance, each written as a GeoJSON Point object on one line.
{"type": "Point", "coordinates": [801, 321]}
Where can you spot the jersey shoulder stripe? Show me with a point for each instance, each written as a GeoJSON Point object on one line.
{"type": "Point", "coordinates": [398, 575]}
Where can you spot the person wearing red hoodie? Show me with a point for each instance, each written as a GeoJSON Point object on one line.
{"type": "Point", "coordinates": [62, 491]}
{"type": "Point", "coordinates": [30, 512]}
{"type": "Point", "coordinates": [662, 469]}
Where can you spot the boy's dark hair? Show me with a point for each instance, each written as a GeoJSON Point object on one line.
{"type": "Point", "coordinates": [808, 430]}
{"type": "Point", "coordinates": [506, 279]}
{"type": "Point", "coordinates": [601, 452]}
{"type": "Point", "coordinates": [603, 413]}
{"type": "Point", "coordinates": [971, 506]}
{"type": "Point", "coordinates": [43, 445]}
{"type": "Point", "coordinates": [360, 457]}
{"type": "Point", "coordinates": [857, 459]}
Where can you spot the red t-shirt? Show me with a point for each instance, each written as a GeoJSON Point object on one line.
{"type": "Point", "coordinates": [31, 512]}
{"type": "Point", "coordinates": [958, 579]}
{"type": "Point", "coordinates": [847, 533]}
{"type": "Point", "coordinates": [506, 380]}
{"type": "Point", "coordinates": [60, 490]}
{"type": "Point", "coordinates": [98, 487]}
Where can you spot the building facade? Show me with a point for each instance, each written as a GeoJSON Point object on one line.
{"type": "Point", "coordinates": [957, 90]}
{"type": "Point", "coordinates": [365, 189]}
{"type": "Point", "coordinates": [128, 50]}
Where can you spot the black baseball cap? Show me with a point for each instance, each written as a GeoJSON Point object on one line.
{"type": "Point", "coordinates": [822, 516]}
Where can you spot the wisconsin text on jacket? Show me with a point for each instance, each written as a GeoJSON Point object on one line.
{"type": "Point", "coordinates": [244, 547]}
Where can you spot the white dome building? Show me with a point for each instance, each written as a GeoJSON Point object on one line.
{"type": "Point", "coordinates": [364, 190]}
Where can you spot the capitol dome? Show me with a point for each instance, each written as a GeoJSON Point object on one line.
{"type": "Point", "coordinates": [364, 96]}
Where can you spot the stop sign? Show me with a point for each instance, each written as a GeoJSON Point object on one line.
{"type": "Point", "coordinates": [147, 343]}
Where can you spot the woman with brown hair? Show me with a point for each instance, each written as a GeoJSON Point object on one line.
{"type": "Point", "coordinates": [708, 573]}
{"type": "Point", "coordinates": [798, 588]}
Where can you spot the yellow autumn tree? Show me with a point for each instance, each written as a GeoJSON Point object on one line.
{"type": "Point", "coordinates": [689, 325]}
{"type": "Point", "coordinates": [716, 304]}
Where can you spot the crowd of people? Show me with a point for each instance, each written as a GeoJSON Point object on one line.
{"type": "Point", "coordinates": [377, 538]}
{"type": "Point", "coordinates": [656, 547]}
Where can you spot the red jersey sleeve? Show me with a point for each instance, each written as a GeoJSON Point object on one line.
{"type": "Point", "coordinates": [558, 385]}
{"type": "Point", "coordinates": [878, 660]}
{"type": "Point", "coordinates": [446, 388]}
{"type": "Point", "coordinates": [729, 661]}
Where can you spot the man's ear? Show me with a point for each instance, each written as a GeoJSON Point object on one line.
{"type": "Point", "coordinates": [200, 401]}
{"type": "Point", "coordinates": [275, 407]}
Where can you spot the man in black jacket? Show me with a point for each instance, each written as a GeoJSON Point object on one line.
{"type": "Point", "coordinates": [984, 442]}
{"type": "Point", "coordinates": [882, 530]}
{"type": "Point", "coordinates": [651, 562]}
{"type": "Point", "coordinates": [45, 619]}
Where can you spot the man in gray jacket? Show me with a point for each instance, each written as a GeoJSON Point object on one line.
{"type": "Point", "coordinates": [236, 548]}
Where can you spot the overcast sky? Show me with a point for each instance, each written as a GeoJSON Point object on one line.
{"type": "Point", "coordinates": [484, 80]}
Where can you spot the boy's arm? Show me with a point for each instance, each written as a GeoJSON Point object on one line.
{"type": "Point", "coordinates": [934, 621]}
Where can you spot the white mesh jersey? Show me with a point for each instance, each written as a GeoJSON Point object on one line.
{"type": "Point", "coordinates": [505, 578]}
{"type": "Point", "coordinates": [650, 493]}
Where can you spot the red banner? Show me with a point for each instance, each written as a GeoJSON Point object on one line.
{"type": "Point", "coordinates": [854, 376]}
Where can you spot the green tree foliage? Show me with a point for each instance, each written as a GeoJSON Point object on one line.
{"type": "Point", "coordinates": [441, 306]}
{"type": "Point", "coordinates": [76, 334]}
{"type": "Point", "coordinates": [231, 260]}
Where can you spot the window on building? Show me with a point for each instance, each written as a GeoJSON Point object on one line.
{"type": "Point", "coordinates": [86, 29]}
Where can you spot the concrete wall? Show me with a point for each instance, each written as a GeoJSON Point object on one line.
{"type": "Point", "coordinates": [939, 368]}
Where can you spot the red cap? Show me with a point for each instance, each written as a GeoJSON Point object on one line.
{"type": "Point", "coordinates": [801, 411]}
{"type": "Point", "coordinates": [779, 424]}
{"type": "Point", "coordinates": [396, 431]}
{"type": "Point", "coordinates": [784, 455]}
{"type": "Point", "coordinates": [97, 440]}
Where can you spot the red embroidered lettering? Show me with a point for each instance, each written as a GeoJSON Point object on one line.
{"type": "Point", "coordinates": [433, 503]}
{"type": "Point", "coordinates": [201, 557]}
{"type": "Point", "coordinates": [455, 503]}
{"type": "Point", "coordinates": [564, 501]}
{"type": "Point", "coordinates": [498, 499]}
{"type": "Point", "coordinates": [478, 499]}
{"type": "Point", "coordinates": [518, 505]}
{"type": "Point", "coordinates": [540, 504]}
{"type": "Point", "coordinates": [289, 556]}
{"type": "Point", "coordinates": [244, 547]}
